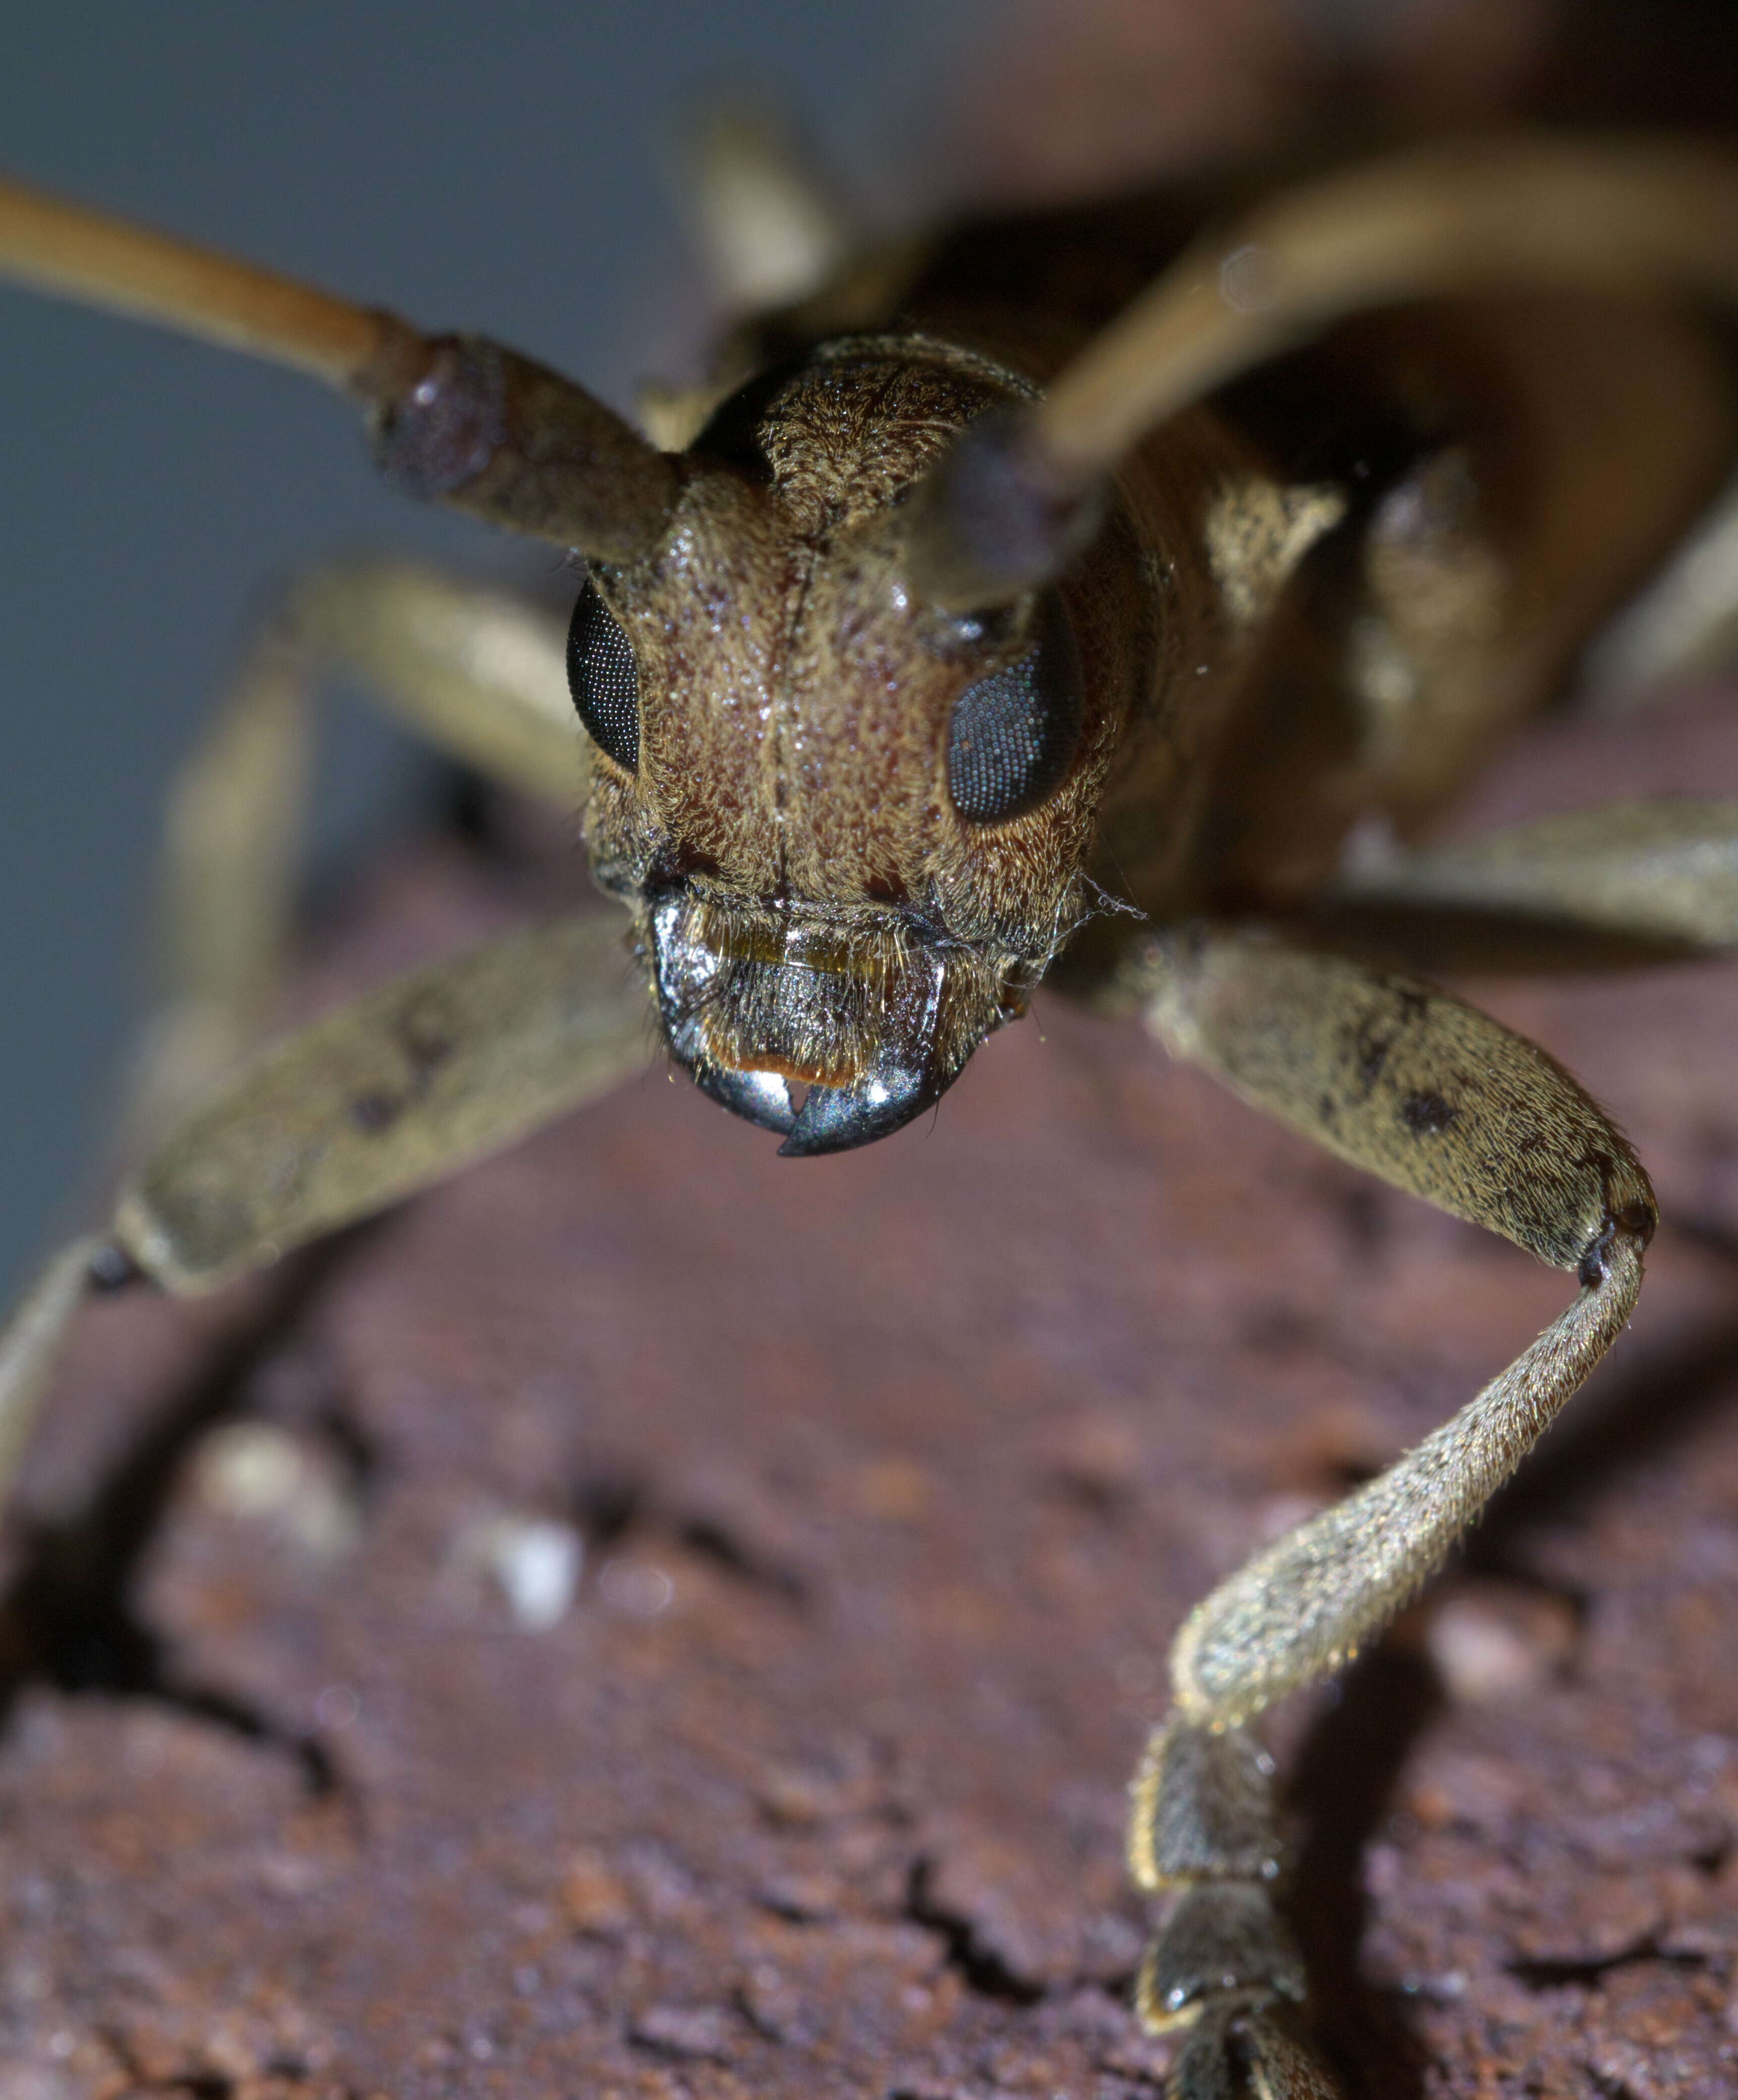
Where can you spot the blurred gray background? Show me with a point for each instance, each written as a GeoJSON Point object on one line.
{"type": "Point", "coordinates": [500, 167]}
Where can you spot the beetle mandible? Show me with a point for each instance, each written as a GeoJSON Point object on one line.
{"type": "Point", "coordinates": [988, 622]}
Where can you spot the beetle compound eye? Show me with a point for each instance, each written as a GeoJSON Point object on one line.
{"type": "Point", "coordinates": [1013, 735]}
{"type": "Point", "coordinates": [604, 679]}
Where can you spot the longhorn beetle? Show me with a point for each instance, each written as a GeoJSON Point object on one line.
{"type": "Point", "coordinates": [1090, 556]}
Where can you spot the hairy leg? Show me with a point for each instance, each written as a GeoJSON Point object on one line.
{"type": "Point", "coordinates": [1614, 886]}
{"type": "Point", "coordinates": [480, 673]}
{"type": "Point", "coordinates": [398, 1089]}
{"type": "Point", "coordinates": [405, 1087]}
{"type": "Point", "coordinates": [1434, 1097]}
{"type": "Point", "coordinates": [1017, 499]}
{"type": "Point", "coordinates": [784, 257]}
{"type": "Point", "coordinates": [1683, 624]}
{"type": "Point", "coordinates": [768, 225]}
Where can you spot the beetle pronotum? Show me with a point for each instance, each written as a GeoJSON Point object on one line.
{"type": "Point", "coordinates": [952, 614]}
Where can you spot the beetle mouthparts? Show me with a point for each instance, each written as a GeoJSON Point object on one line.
{"type": "Point", "coordinates": [831, 1119]}
{"type": "Point", "coordinates": [872, 1015]}
{"type": "Point", "coordinates": [835, 1118]}
{"type": "Point", "coordinates": [761, 1097]}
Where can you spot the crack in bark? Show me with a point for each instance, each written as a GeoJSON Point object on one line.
{"type": "Point", "coordinates": [609, 1505]}
{"type": "Point", "coordinates": [979, 1968]}
{"type": "Point", "coordinates": [67, 1619]}
{"type": "Point", "coordinates": [1545, 1974]}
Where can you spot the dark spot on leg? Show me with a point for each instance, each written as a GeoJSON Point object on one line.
{"type": "Point", "coordinates": [1427, 1115]}
{"type": "Point", "coordinates": [1370, 1048]}
{"type": "Point", "coordinates": [422, 1036]}
{"type": "Point", "coordinates": [425, 1049]}
{"type": "Point", "coordinates": [1379, 1032]}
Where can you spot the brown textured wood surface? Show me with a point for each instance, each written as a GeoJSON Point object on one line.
{"type": "Point", "coordinates": [895, 1473]}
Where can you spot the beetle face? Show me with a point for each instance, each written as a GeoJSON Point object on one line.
{"type": "Point", "coordinates": [849, 826]}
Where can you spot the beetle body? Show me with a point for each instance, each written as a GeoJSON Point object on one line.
{"type": "Point", "coordinates": [1317, 601]}
{"type": "Point", "coordinates": [987, 627]}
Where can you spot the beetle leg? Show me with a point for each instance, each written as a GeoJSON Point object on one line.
{"type": "Point", "coordinates": [1620, 884]}
{"type": "Point", "coordinates": [1439, 220]}
{"type": "Point", "coordinates": [1434, 1097]}
{"type": "Point", "coordinates": [483, 676]}
{"type": "Point", "coordinates": [454, 419]}
{"type": "Point", "coordinates": [479, 673]}
{"type": "Point", "coordinates": [781, 250]}
{"type": "Point", "coordinates": [770, 227]}
{"type": "Point", "coordinates": [1224, 1968]}
{"type": "Point", "coordinates": [30, 1340]}
{"type": "Point", "coordinates": [438, 1067]}
{"type": "Point", "coordinates": [398, 1089]}
{"type": "Point", "coordinates": [1682, 624]}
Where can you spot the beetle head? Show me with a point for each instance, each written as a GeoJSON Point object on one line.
{"type": "Point", "coordinates": [848, 825]}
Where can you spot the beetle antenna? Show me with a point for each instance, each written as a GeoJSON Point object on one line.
{"type": "Point", "coordinates": [459, 419]}
{"type": "Point", "coordinates": [1020, 494]}
{"type": "Point", "coordinates": [74, 252]}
